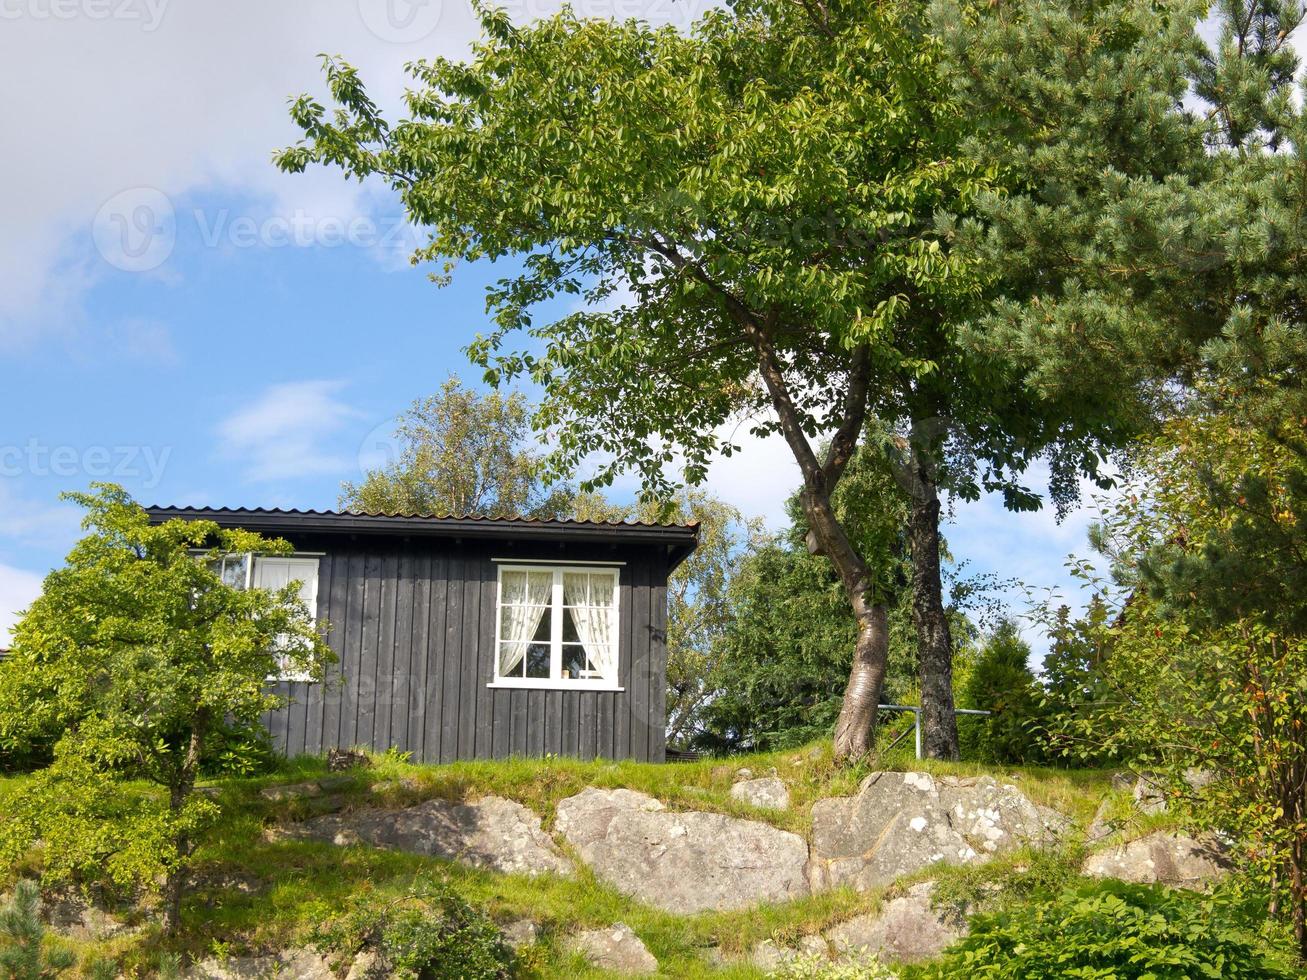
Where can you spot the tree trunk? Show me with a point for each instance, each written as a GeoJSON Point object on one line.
{"type": "Point", "coordinates": [856, 728]}
{"type": "Point", "coordinates": [939, 723]}
{"type": "Point", "coordinates": [180, 790]}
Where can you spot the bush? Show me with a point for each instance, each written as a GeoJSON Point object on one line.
{"type": "Point", "coordinates": [428, 934]}
{"type": "Point", "coordinates": [1107, 930]}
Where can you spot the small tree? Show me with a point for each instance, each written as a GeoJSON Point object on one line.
{"type": "Point", "coordinates": [462, 453]}
{"type": "Point", "coordinates": [1205, 661]}
{"type": "Point", "coordinates": [1001, 682]}
{"type": "Point", "coordinates": [136, 651]}
{"type": "Point", "coordinates": [22, 952]}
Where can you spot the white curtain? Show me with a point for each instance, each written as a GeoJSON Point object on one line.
{"type": "Point", "coordinates": [589, 597]}
{"type": "Point", "coordinates": [524, 599]}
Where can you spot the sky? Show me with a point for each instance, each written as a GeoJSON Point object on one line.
{"type": "Point", "coordinates": [178, 317]}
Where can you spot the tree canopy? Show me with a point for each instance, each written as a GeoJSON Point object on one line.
{"type": "Point", "coordinates": [136, 653]}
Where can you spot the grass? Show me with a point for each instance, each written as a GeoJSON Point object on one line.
{"type": "Point", "coordinates": [254, 895]}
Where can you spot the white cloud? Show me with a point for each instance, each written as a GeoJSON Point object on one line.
{"type": "Point", "coordinates": [182, 103]}
{"type": "Point", "coordinates": [17, 590]}
{"type": "Point", "coordinates": [282, 433]}
{"type": "Point", "coordinates": [43, 524]}
{"type": "Point", "coordinates": [105, 105]}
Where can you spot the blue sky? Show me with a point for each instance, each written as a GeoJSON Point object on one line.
{"type": "Point", "coordinates": [178, 317]}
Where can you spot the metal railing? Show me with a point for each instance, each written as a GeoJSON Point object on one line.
{"type": "Point", "coordinates": [916, 721]}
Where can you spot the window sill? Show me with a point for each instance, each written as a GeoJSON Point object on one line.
{"type": "Point", "coordinates": [599, 686]}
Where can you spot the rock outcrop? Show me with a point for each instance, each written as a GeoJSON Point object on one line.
{"type": "Point", "coordinates": [681, 862]}
{"type": "Point", "coordinates": [766, 793]}
{"type": "Point", "coordinates": [492, 833]}
{"type": "Point", "coordinates": [304, 964]}
{"type": "Point", "coordinates": [615, 948]}
{"type": "Point", "coordinates": [901, 822]}
{"type": "Point", "coordinates": [904, 930]}
{"type": "Point", "coordinates": [1161, 858]}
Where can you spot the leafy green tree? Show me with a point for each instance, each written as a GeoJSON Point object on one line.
{"type": "Point", "coordinates": [1000, 681]}
{"type": "Point", "coordinates": [747, 212]}
{"type": "Point", "coordinates": [462, 453]}
{"type": "Point", "coordinates": [136, 651]}
{"type": "Point", "coordinates": [1206, 657]}
{"type": "Point", "coordinates": [698, 607]}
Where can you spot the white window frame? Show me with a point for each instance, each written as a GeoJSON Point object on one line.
{"type": "Point", "coordinates": [250, 562]}
{"type": "Point", "coordinates": [556, 682]}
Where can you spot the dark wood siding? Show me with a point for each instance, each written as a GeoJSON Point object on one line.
{"type": "Point", "coordinates": [412, 624]}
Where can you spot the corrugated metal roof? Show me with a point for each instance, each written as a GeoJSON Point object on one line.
{"type": "Point", "coordinates": [161, 509]}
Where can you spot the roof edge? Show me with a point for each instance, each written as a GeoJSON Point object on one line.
{"type": "Point", "coordinates": [340, 522]}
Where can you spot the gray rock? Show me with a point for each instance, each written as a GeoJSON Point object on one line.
{"type": "Point", "coordinates": [905, 930]}
{"type": "Point", "coordinates": [901, 822]}
{"type": "Point", "coordinates": [615, 948]}
{"type": "Point", "coordinates": [520, 933]}
{"type": "Point", "coordinates": [681, 862]}
{"type": "Point", "coordinates": [368, 965]}
{"type": "Point", "coordinates": [302, 964]}
{"type": "Point", "coordinates": [767, 793]}
{"type": "Point", "coordinates": [1161, 858]}
{"type": "Point", "coordinates": [292, 791]}
{"type": "Point", "coordinates": [996, 816]}
{"type": "Point", "coordinates": [69, 913]}
{"type": "Point", "coordinates": [492, 833]}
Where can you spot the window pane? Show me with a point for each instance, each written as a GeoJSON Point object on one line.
{"type": "Point", "coordinates": [570, 635]}
{"type": "Point", "coordinates": [514, 588]}
{"type": "Point", "coordinates": [231, 570]}
{"type": "Point", "coordinates": [576, 588]}
{"type": "Point", "coordinates": [537, 660]}
{"type": "Point", "coordinates": [542, 633]}
{"type": "Point", "coordinates": [574, 662]}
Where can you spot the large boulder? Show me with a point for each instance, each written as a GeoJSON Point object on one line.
{"type": "Point", "coordinates": [681, 862]}
{"type": "Point", "coordinates": [492, 833]}
{"type": "Point", "coordinates": [1161, 858]}
{"type": "Point", "coordinates": [905, 930]}
{"type": "Point", "coordinates": [616, 949]}
{"type": "Point", "coordinates": [901, 822]}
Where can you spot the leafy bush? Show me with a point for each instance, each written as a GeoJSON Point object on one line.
{"type": "Point", "coordinates": [428, 934]}
{"type": "Point", "coordinates": [238, 748]}
{"type": "Point", "coordinates": [1108, 930]}
{"type": "Point", "coordinates": [814, 968]}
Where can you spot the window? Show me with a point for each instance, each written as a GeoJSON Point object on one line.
{"type": "Point", "coordinates": [557, 627]}
{"type": "Point", "coordinates": [273, 572]}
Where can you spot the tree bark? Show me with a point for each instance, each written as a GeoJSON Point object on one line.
{"type": "Point", "coordinates": [933, 635]}
{"type": "Point", "coordinates": [939, 723]}
{"type": "Point", "coordinates": [180, 790]}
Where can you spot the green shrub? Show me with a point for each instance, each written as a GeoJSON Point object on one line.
{"type": "Point", "coordinates": [238, 748]}
{"type": "Point", "coordinates": [1107, 931]}
{"type": "Point", "coordinates": [430, 933]}
{"type": "Point", "coordinates": [1001, 682]}
{"type": "Point", "coordinates": [22, 956]}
